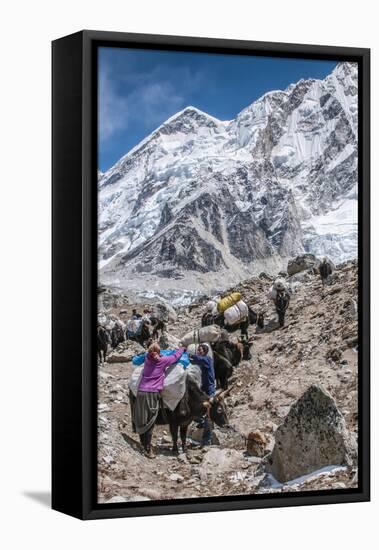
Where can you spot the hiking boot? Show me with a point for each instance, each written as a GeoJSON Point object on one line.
{"type": "Point", "coordinates": [149, 453]}
{"type": "Point", "coordinates": [200, 425]}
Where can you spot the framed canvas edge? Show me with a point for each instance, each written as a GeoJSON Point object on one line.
{"type": "Point", "coordinates": [66, 421]}
{"type": "Point", "coordinates": [89, 508]}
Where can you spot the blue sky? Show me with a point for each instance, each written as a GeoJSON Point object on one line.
{"type": "Point", "coordinates": [140, 89]}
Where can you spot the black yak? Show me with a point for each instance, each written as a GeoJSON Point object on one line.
{"type": "Point", "coordinates": [102, 343]}
{"type": "Point", "coordinates": [193, 405]}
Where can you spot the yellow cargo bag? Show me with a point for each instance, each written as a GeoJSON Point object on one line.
{"type": "Point", "coordinates": [229, 301]}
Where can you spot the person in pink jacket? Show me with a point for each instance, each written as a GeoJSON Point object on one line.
{"type": "Point", "coordinates": [146, 405]}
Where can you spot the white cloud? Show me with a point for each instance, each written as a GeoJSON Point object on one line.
{"type": "Point", "coordinates": [156, 101]}
{"type": "Point", "coordinates": [113, 108]}
{"type": "Point", "coordinates": [153, 99]}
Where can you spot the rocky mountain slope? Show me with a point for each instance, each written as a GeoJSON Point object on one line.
{"type": "Point", "coordinates": [317, 348]}
{"type": "Point", "coordinates": [202, 203]}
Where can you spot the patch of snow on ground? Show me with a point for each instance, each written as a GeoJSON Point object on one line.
{"type": "Point", "coordinates": [275, 484]}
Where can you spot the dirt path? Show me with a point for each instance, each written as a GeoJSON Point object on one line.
{"type": "Point", "coordinates": [317, 344]}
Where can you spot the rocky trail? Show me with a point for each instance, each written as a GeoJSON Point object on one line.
{"type": "Point", "coordinates": [315, 352]}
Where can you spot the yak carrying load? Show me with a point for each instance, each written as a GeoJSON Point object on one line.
{"type": "Point", "coordinates": [237, 313]}
{"type": "Point", "coordinates": [228, 301]}
{"type": "Point", "coordinates": [134, 327]}
{"type": "Point", "coordinates": [233, 308]}
{"type": "Point", "coordinates": [212, 333]}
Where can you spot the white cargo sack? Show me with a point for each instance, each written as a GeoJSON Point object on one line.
{"type": "Point", "coordinates": [211, 333]}
{"type": "Point", "coordinates": [194, 372]}
{"type": "Point", "coordinates": [168, 341]}
{"type": "Point", "coordinates": [174, 384]}
{"type": "Point", "coordinates": [102, 319]}
{"type": "Point", "coordinates": [211, 307]}
{"type": "Point", "coordinates": [280, 284]}
{"type": "Point", "coordinates": [236, 314]}
{"type": "Point", "coordinates": [133, 325]}
{"type": "Point", "coordinates": [272, 293]}
{"type": "Point", "coordinates": [165, 313]}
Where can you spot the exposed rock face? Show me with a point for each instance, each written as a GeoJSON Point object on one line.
{"type": "Point", "coordinates": [312, 436]}
{"type": "Point", "coordinates": [301, 263]}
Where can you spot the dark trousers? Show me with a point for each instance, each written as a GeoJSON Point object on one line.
{"type": "Point", "coordinates": [207, 433]}
{"type": "Point", "coordinates": [205, 423]}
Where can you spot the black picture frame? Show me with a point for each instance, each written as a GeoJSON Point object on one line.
{"type": "Point", "coordinates": [74, 273]}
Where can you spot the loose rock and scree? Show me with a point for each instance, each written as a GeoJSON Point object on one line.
{"type": "Point", "coordinates": [293, 408]}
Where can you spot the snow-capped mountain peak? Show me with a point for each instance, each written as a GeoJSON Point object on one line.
{"type": "Point", "coordinates": [202, 200]}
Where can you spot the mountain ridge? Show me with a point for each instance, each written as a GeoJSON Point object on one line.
{"type": "Point", "coordinates": [201, 197]}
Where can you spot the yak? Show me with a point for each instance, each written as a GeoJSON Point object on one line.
{"type": "Point", "coordinates": [218, 319]}
{"type": "Point", "coordinates": [325, 270]}
{"type": "Point", "coordinates": [228, 355]}
{"type": "Point", "coordinates": [193, 405]}
{"type": "Point", "coordinates": [102, 344]}
{"type": "Point", "coordinates": [157, 324]}
{"type": "Point", "coordinates": [117, 335]}
{"type": "Point", "coordinates": [143, 337]}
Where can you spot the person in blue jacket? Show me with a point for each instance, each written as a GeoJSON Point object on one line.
{"type": "Point", "coordinates": [208, 385]}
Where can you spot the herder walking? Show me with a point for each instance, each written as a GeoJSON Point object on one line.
{"type": "Point", "coordinates": [145, 407]}
{"type": "Point", "coordinates": [208, 385]}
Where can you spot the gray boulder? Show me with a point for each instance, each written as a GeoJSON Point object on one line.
{"type": "Point", "coordinates": [312, 436]}
{"type": "Point", "coordinates": [123, 357]}
{"type": "Point", "coordinates": [125, 352]}
{"type": "Point", "coordinates": [302, 263]}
